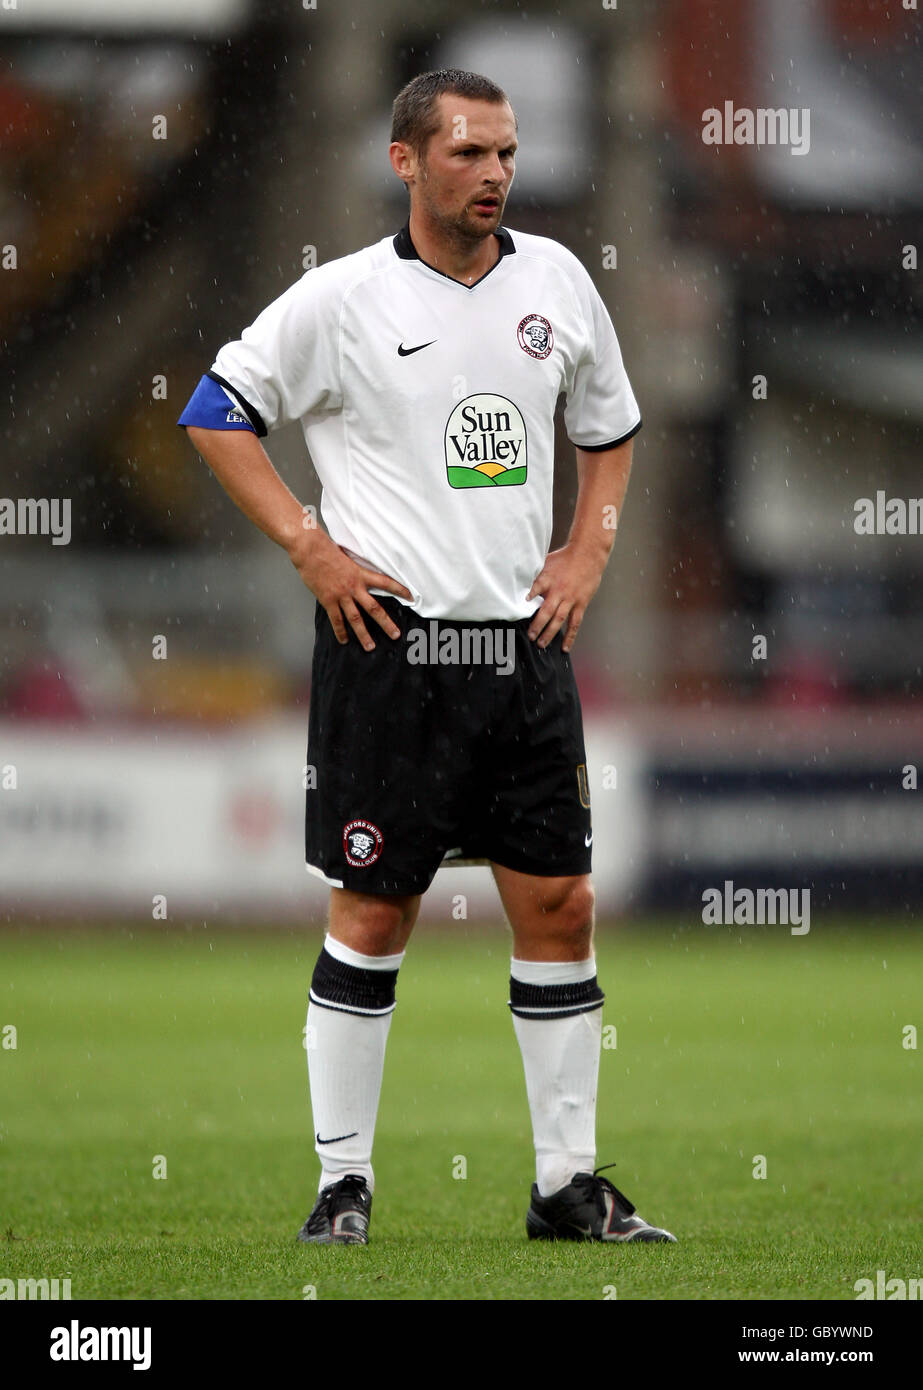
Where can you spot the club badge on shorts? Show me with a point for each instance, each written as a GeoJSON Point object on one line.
{"type": "Point", "coordinates": [362, 843]}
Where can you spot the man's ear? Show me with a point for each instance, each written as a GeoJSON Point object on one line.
{"type": "Point", "coordinates": [403, 161]}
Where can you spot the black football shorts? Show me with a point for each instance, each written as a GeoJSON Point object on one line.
{"type": "Point", "coordinates": [456, 742]}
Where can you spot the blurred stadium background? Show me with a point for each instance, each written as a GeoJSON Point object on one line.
{"type": "Point", "coordinates": [164, 172]}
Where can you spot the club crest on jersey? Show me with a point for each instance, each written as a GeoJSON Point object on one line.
{"type": "Point", "coordinates": [362, 843]}
{"type": "Point", "coordinates": [485, 443]}
{"type": "Point", "coordinates": [535, 336]}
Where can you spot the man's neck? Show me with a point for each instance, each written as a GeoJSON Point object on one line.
{"type": "Point", "coordinates": [462, 261]}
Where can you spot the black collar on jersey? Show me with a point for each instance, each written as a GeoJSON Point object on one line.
{"type": "Point", "coordinates": [404, 247]}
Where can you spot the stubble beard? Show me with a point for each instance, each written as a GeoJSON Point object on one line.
{"type": "Point", "coordinates": [457, 229]}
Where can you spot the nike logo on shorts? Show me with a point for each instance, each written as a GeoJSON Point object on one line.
{"type": "Point", "coordinates": [588, 839]}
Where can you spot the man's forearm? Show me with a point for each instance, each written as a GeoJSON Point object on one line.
{"type": "Point", "coordinates": [245, 471]}
{"type": "Point", "coordinates": [340, 585]}
{"type": "Point", "coordinates": [570, 576]}
{"type": "Point", "coordinates": [602, 484]}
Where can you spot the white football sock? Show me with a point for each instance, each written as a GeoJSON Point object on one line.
{"type": "Point", "coordinates": [561, 1062]}
{"type": "Point", "coordinates": [346, 1054]}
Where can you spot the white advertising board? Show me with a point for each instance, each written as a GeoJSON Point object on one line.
{"type": "Point", "coordinates": [212, 823]}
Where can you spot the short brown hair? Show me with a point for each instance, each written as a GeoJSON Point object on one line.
{"type": "Point", "coordinates": [414, 117]}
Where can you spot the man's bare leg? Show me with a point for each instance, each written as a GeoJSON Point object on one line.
{"type": "Point", "coordinates": [375, 924]}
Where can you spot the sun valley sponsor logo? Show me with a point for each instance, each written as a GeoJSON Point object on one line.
{"type": "Point", "coordinates": [76, 1343]}
{"type": "Point", "coordinates": [462, 646]}
{"type": "Point", "coordinates": [485, 443]}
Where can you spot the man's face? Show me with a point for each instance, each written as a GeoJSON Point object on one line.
{"type": "Point", "coordinates": [462, 181]}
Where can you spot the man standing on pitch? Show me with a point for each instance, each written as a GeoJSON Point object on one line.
{"type": "Point", "coordinates": [425, 370]}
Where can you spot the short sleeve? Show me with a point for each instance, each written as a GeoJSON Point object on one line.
{"type": "Point", "coordinates": [286, 364]}
{"type": "Point", "coordinates": [212, 407]}
{"type": "Point", "coordinates": [601, 410]}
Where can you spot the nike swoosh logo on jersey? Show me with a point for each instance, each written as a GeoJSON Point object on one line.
{"type": "Point", "coordinates": [337, 1139]}
{"type": "Point", "coordinates": [588, 839]}
{"type": "Point", "coordinates": [406, 352]}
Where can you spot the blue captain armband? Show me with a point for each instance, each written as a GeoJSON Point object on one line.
{"type": "Point", "coordinates": [212, 406]}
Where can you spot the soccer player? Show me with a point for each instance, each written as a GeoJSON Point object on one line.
{"type": "Point", "coordinates": [444, 721]}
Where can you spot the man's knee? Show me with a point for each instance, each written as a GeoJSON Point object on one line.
{"type": "Point", "coordinates": [373, 924]}
{"type": "Point", "coordinates": [575, 909]}
{"type": "Point", "coordinates": [565, 910]}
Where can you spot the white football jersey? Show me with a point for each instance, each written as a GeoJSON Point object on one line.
{"type": "Point", "coordinates": [428, 407]}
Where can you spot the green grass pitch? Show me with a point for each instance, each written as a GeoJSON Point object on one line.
{"type": "Point", "coordinates": [730, 1043]}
